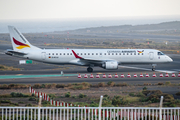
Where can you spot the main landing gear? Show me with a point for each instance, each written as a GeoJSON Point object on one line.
{"type": "Point", "coordinates": [153, 67]}
{"type": "Point", "coordinates": [89, 69]}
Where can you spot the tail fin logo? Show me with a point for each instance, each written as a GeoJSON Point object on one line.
{"type": "Point", "coordinates": [21, 45]}
{"type": "Point", "coordinates": [140, 51]}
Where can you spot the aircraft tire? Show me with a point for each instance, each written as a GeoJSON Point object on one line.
{"type": "Point", "coordinates": [89, 69]}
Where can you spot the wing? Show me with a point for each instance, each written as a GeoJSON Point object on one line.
{"type": "Point", "coordinates": [91, 60]}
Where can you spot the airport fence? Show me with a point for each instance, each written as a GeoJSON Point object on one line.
{"type": "Point", "coordinates": [89, 113]}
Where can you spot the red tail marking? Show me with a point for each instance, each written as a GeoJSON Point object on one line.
{"type": "Point", "coordinates": [19, 43]}
{"type": "Point", "coordinates": [76, 55]}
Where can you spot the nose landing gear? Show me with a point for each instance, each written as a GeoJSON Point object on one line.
{"type": "Point", "coordinates": [153, 67]}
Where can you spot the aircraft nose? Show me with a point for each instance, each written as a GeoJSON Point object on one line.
{"type": "Point", "coordinates": [169, 59]}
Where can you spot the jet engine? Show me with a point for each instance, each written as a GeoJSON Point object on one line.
{"type": "Point", "coordinates": [112, 65]}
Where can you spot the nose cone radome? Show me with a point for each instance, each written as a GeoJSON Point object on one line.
{"type": "Point", "coordinates": [169, 59]}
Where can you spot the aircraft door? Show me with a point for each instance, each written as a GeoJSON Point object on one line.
{"type": "Point", "coordinates": [43, 55]}
{"type": "Point", "coordinates": [151, 55]}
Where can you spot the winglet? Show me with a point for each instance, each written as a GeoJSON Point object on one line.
{"type": "Point", "coordinates": [76, 55]}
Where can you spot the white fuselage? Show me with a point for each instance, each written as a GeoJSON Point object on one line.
{"type": "Point", "coordinates": [122, 56]}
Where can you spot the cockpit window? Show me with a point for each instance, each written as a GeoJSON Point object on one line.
{"type": "Point", "coordinates": [160, 53]}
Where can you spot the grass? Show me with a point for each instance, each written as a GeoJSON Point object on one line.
{"type": "Point", "coordinates": [167, 83]}
{"type": "Point", "coordinates": [8, 68]}
{"type": "Point", "coordinates": [82, 104]}
{"type": "Point", "coordinates": [132, 99]}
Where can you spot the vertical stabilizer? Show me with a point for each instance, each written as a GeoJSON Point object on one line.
{"type": "Point", "coordinates": [19, 42]}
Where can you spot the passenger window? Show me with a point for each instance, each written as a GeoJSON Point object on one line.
{"type": "Point", "coordinates": [81, 54]}
{"type": "Point", "coordinates": [92, 53]}
{"type": "Point", "coordinates": [88, 53]}
{"type": "Point", "coordinates": [116, 54]}
{"type": "Point", "coordinates": [142, 53]}
{"type": "Point", "coordinates": [131, 53]}
{"type": "Point", "coordinates": [84, 53]}
{"type": "Point", "coordinates": [96, 53]}
{"type": "Point", "coordinates": [104, 53]}
{"type": "Point", "coordinates": [108, 53]}
{"type": "Point", "coordinates": [53, 54]}
{"type": "Point", "coordinates": [67, 53]}
{"type": "Point", "coordinates": [138, 53]}
{"type": "Point", "coordinates": [123, 53]}
{"type": "Point", "coordinates": [100, 53]}
{"type": "Point", "coordinates": [70, 53]}
{"type": "Point", "coordinates": [49, 53]}
{"type": "Point", "coordinates": [60, 54]}
{"type": "Point", "coordinates": [112, 53]}
{"type": "Point", "coordinates": [127, 53]}
{"type": "Point", "coordinates": [119, 53]}
{"type": "Point", "coordinates": [64, 53]}
{"type": "Point", "coordinates": [56, 53]}
{"type": "Point", "coordinates": [134, 53]}
{"type": "Point", "coordinates": [77, 53]}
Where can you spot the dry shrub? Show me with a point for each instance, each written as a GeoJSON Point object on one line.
{"type": "Point", "coordinates": [122, 84]}
{"type": "Point", "coordinates": [22, 86]}
{"type": "Point", "coordinates": [50, 85]}
{"type": "Point", "coordinates": [178, 93]}
{"type": "Point", "coordinates": [154, 98]}
{"type": "Point", "coordinates": [101, 84]}
{"type": "Point", "coordinates": [13, 86]}
{"type": "Point", "coordinates": [47, 85]}
{"type": "Point", "coordinates": [28, 85]}
{"type": "Point", "coordinates": [167, 97]}
{"type": "Point", "coordinates": [37, 85]}
{"type": "Point", "coordinates": [95, 85]}
{"type": "Point", "coordinates": [159, 83]}
{"type": "Point", "coordinates": [148, 92]}
{"type": "Point", "coordinates": [80, 86]}
{"type": "Point", "coordinates": [60, 86]}
{"type": "Point", "coordinates": [85, 84]}
{"type": "Point", "coordinates": [5, 96]}
{"type": "Point", "coordinates": [53, 85]}
{"type": "Point", "coordinates": [167, 83]}
{"type": "Point", "coordinates": [69, 84]}
{"type": "Point", "coordinates": [147, 84]}
{"type": "Point", "coordinates": [111, 83]}
{"type": "Point", "coordinates": [4, 86]}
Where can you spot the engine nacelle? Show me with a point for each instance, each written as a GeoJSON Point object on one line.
{"type": "Point", "coordinates": [110, 65]}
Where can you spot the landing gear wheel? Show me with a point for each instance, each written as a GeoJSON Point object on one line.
{"type": "Point", "coordinates": [89, 69]}
{"type": "Point", "coordinates": [153, 67]}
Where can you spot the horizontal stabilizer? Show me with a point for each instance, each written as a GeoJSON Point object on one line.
{"type": "Point", "coordinates": [12, 52]}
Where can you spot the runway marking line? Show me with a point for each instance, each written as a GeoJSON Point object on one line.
{"type": "Point", "coordinates": [165, 71]}
{"type": "Point", "coordinates": [34, 76]}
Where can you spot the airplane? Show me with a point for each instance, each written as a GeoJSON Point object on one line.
{"type": "Point", "coordinates": [108, 59]}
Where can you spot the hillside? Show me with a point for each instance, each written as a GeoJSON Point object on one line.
{"type": "Point", "coordinates": [174, 25]}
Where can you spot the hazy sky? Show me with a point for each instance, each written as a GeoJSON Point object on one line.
{"type": "Point", "coordinates": [37, 9]}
